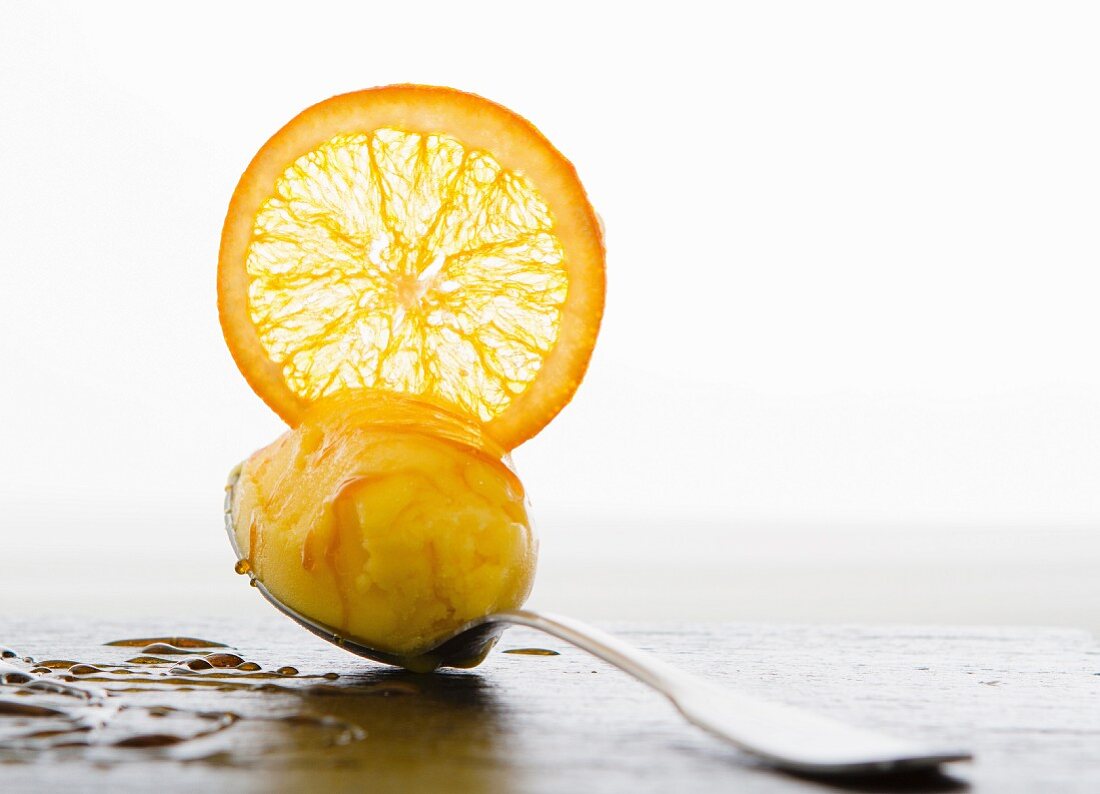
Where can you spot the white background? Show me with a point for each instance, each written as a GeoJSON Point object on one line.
{"type": "Point", "coordinates": [848, 369]}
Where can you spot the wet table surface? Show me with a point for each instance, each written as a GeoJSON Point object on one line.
{"type": "Point", "coordinates": [79, 715]}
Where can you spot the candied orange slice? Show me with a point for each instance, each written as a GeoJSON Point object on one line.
{"type": "Point", "coordinates": [416, 240]}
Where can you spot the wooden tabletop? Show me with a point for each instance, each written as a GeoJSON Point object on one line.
{"type": "Point", "coordinates": [1025, 700]}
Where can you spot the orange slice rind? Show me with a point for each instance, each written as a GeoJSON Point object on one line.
{"type": "Point", "coordinates": [417, 240]}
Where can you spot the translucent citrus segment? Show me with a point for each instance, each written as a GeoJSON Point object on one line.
{"type": "Point", "coordinates": [414, 240]}
{"type": "Point", "coordinates": [406, 262]}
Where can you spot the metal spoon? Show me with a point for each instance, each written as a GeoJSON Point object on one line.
{"type": "Point", "coordinates": [785, 737]}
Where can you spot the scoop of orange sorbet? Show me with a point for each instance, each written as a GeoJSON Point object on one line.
{"type": "Point", "coordinates": [391, 521]}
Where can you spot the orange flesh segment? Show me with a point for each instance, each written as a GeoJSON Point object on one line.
{"type": "Point", "coordinates": [407, 263]}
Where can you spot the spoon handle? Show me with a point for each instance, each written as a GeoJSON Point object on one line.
{"type": "Point", "coordinates": [784, 736]}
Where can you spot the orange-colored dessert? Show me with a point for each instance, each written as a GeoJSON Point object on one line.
{"type": "Point", "coordinates": [389, 521]}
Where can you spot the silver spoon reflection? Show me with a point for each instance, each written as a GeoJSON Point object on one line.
{"type": "Point", "coordinates": [783, 736]}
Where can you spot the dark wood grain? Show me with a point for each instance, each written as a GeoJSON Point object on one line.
{"type": "Point", "coordinates": [1026, 700]}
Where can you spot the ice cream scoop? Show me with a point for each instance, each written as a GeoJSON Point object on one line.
{"type": "Point", "coordinates": [385, 518]}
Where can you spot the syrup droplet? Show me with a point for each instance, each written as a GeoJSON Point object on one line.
{"type": "Point", "coordinates": [179, 642]}
{"type": "Point", "coordinates": [11, 709]}
{"type": "Point", "coordinates": [147, 660]}
{"type": "Point", "coordinates": [253, 583]}
{"type": "Point", "coordinates": [84, 669]}
{"type": "Point", "coordinates": [224, 660]}
{"type": "Point", "coordinates": [57, 664]}
{"type": "Point", "coordinates": [149, 740]}
{"type": "Point", "coordinates": [7, 653]}
{"type": "Point", "coordinates": [248, 667]}
{"type": "Point", "coordinates": [242, 567]}
{"type": "Point", "coordinates": [532, 651]}
{"type": "Point", "coordinates": [287, 670]}
{"type": "Point", "coordinates": [166, 649]}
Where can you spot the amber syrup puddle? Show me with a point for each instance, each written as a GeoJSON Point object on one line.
{"type": "Point", "coordinates": [62, 708]}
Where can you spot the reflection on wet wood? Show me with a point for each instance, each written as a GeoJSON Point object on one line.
{"type": "Point", "coordinates": [269, 707]}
